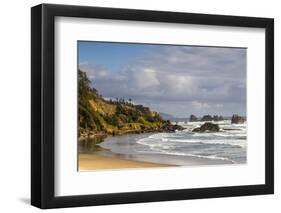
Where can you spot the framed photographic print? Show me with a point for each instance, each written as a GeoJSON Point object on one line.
{"type": "Point", "coordinates": [139, 106]}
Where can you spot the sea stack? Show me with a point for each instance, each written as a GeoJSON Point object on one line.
{"type": "Point", "coordinates": [193, 118]}
{"type": "Point", "coordinates": [236, 119]}
{"type": "Point", "coordinates": [217, 118]}
{"type": "Point", "coordinates": [207, 118]}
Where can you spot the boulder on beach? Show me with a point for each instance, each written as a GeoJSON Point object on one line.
{"type": "Point", "coordinates": [193, 118]}
{"type": "Point", "coordinates": [236, 119]}
{"type": "Point", "coordinates": [207, 127]}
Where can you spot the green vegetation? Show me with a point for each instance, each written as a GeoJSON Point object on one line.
{"type": "Point", "coordinates": [100, 116]}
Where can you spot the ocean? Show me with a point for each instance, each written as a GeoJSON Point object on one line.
{"type": "Point", "coordinates": [228, 146]}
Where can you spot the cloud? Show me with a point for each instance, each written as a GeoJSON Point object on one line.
{"type": "Point", "coordinates": [199, 105]}
{"type": "Point", "coordinates": [146, 78]}
{"type": "Point", "coordinates": [201, 78]}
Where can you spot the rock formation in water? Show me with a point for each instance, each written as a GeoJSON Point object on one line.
{"type": "Point", "coordinates": [207, 127]}
{"type": "Point", "coordinates": [169, 127]}
{"type": "Point", "coordinates": [236, 119]}
{"type": "Point", "coordinates": [207, 118]}
{"type": "Point", "coordinates": [193, 118]}
{"type": "Point", "coordinates": [218, 118]}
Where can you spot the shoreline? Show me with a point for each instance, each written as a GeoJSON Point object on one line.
{"type": "Point", "coordinates": [169, 127]}
{"type": "Point", "coordinates": [89, 162]}
{"type": "Point", "coordinates": [123, 151]}
{"type": "Point", "coordinates": [106, 135]}
{"type": "Point", "coordinates": [104, 159]}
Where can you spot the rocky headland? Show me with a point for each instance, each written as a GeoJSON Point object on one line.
{"type": "Point", "coordinates": [100, 117]}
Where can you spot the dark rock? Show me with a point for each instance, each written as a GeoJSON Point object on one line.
{"type": "Point", "coordinates": [168, 127]}
{"type": "Point", "coordinates": [236, 119]}
{"type": "Point", "coordinates": [207, 127]}
{"type": "Point", "coordinates": [217, 118]}
{"type": "Point", "coordinates": [229, 129]}
{"type": "Point", "coordinates": [207, 118]}
{"type": "Point", "coordinates": [193, 118]}
{"type": "Point", "coordinates": [178, 127]}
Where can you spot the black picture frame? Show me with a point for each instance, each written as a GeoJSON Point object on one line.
{"type": "Point", "coordinates": [43, 102]}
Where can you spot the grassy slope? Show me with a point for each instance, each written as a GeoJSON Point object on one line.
{"type": "Point", "coordinates": [97, 115]}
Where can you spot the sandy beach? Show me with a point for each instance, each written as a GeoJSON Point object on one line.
{"type": "Point", "coordinates": [121, 152]}
{"type": "Point", "coordinates": [94, 162]}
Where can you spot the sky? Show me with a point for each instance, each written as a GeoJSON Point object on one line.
{"type": "Point", "coordinates": [175, 79]}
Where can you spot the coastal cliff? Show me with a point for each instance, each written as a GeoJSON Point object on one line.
{"type": "Point", "coordinates": [100, 116]}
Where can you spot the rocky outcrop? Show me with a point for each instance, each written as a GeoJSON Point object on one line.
{"type": "Point", "coordinates": [168, 127]}
{"type": "Point", "coordinates": [207, 127]}
{"type": "Point", "coordinates": [193, 118]}
{"type": "Point", "coordinates": [218, 118]}
{"type": "Point", "coordinates": [236, 119]}
{"type": "Point", "coordinates": [207, 118]}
